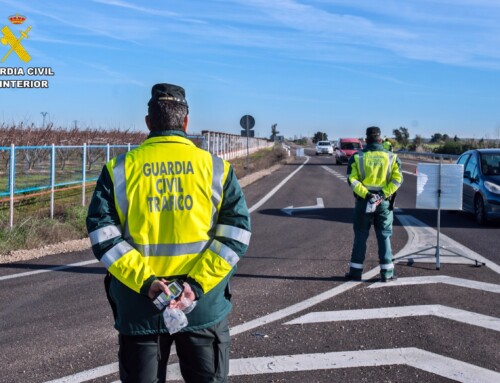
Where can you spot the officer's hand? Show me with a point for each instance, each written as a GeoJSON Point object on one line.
{"type": "Point", "coordinates": [157, 287]}
{"type": "Point", "coordinates": [185, 300]}
{"type": "Point", "coordinates": [369, 196]}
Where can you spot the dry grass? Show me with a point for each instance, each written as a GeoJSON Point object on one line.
{"type": "Point", "coordinates": [263, 159]}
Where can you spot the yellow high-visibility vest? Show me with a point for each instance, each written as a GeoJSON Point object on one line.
{"type": "Point", "coordinates": [168, 194]}
{"type": "Point", "coordinates": [375, 171]}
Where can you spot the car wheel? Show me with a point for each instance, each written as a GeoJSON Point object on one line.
{"type": "Point", "coordinates": [479, 211]}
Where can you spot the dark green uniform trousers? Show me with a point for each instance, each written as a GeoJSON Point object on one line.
{"type": "Point", "coordinates": [203, 356]}
{"type": "Point", "coordinates": [382, 220]}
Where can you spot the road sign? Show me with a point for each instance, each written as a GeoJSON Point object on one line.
{"type": "Point", "coordinates": [250, 133]}
{"type": "Point", "coordinates": [247, 122]}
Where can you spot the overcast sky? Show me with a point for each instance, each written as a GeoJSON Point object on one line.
{"type": "Point", "coordinates": [308, 66]}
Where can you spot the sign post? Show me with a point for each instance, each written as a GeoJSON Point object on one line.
{"type": "Point", "coordinates": [247, 122]}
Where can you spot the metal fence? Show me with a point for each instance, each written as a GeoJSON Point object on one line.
{"type": "Point", "coordinates": [229, 146]}
{"type": "Point", "coordinates": [28, 171]}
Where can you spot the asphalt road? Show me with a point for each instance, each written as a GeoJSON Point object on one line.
{"type": "Point", "coordinates": [295, 319]}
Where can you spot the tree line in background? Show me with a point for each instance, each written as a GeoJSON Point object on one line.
{"type": "Point", "coordinates": [31, 135]}
{"type": "Point", "coordinates": [438, 143]}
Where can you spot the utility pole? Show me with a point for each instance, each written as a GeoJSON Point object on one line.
{"type": "Point", "coordinates": [43, 114]}
{"type": "Point", "coordinates": [76, 122]}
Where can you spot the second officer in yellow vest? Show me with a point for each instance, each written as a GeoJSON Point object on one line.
{"type": "Point", "coordinates": [163, 211]}
{"type": "Point", "coordinates": [374, 175]}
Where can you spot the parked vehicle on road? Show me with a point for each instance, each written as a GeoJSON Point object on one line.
{"type": "Point", "coordinates": [481, 183]}
{"type": "Point", "coordinates": [346, 147]}
{"type": "Point", "coordinates": [324, 147]}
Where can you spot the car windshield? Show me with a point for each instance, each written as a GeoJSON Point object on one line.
{"type": "Point", "coordinates": [350, 145]}
{"type": "Point", "coordinates": [490, 164]}
{"type": "Point", "coordinates": [323, 143]}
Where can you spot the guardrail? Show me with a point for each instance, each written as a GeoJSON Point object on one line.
{"type": "Point", "coordinates": [28, 171]}
{"type": "Point", "coordinates": [428, 156]}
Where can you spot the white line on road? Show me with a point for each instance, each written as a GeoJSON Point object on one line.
{"type": "Point", "coordinates": [423, 238]}
{"type": "Point", "coordinates": [277, 187]}
{"type": "Point", "coordinates": [414, 357]}
{"type": "Point", "coordinates": [446, 312]}
{"type": "Point", "coordinates": [461, 282]}
{"type": "Point", "coordinates": [290, 209]}
{"type": "Point", "coordinates": [57, 268]}
{"type": "Point", "coordinates": [87, 375]}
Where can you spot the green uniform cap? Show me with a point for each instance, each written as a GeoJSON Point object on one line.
{"type": "Point", "coordinates": [373, 131]}
{"type": "Point", "coordinates": [168, 92]}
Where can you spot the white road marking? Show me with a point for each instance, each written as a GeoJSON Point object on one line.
{"type": "Point", "coordinates": [62, 267]}
{"type": "Point", "coordinates": [414, 357]}
{"type": "Point", "coordinates": [410, 173]}
{"type": "Point", "coordinates": [87, 375]}
{"type": "Point", "coordinates": [303, 305]}
{"type": "Point", "coordinates": [277, 187]}
{"type": "Point", "coordinates": [290, 209]}
{"type": "Point", "coordinates": [335, 173]}
{"type": "Point", "coordinates": [446, 312]}
{"type": "Point", "coordinates": [461, 282]}
{"type": "Point", "coordinates": [421, 246]}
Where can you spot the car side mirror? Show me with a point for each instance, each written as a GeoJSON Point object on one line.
{"type": "Point", "coordinates": [467, 174]}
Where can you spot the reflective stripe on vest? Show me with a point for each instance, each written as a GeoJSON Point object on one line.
{"type": "Point", "coordinates": [170, 249]}
{"type": "Point", "coordinates": [224, 252]}
{"type": "Point", "coordinates": [104, 233]}
{"type": "Point", "coordinates": [398, 184]}
{"type": "Point", "coordinates": [354, 183]}
{"type": "Point", "coordinates": [217, 177]}
{"type": "Point", "coordinates": [120, 185]}
{"type": "Point", "coordinates": [231, 232]}
{"type": "Point", "coordinates": [115, 253]}
{"type": "Point", "coordinates": [361, 164]}
{"type": "Point", "coordinates": [389, 169]}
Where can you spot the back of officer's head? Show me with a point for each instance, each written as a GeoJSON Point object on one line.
{"type": "Point", "coordinates": [167, 107]}
{"type": "Point", "coordinates": [372, 134]}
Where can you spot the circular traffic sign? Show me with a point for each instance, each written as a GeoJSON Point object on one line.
{"type": "Point", "coordinates": [247, 122]}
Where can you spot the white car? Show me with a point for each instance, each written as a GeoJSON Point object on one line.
{"type": "Point", "coordinates": [324, 147]}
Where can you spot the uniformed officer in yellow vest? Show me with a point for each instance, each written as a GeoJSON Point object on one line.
{"type": "Point", "coordinates": [387, 144]}
{"type": "Point", "coordinates": [374, 175]}
{"type": "Point", "coordinates": [163, 211]}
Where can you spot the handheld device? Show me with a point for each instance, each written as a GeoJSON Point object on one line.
{"type": "Point", "coordinates": [163, 300]}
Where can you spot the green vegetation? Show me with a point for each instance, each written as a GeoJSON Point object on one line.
{"type": "Point", "coordinates": [438, 143]}
{"type": "Point", "coordinates": [34, 232]}
{"type": "Point", "coordinates": [319, 136]}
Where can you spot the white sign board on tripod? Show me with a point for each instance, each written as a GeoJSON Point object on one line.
{"type": "Point", "coordinates": [439, 186]}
